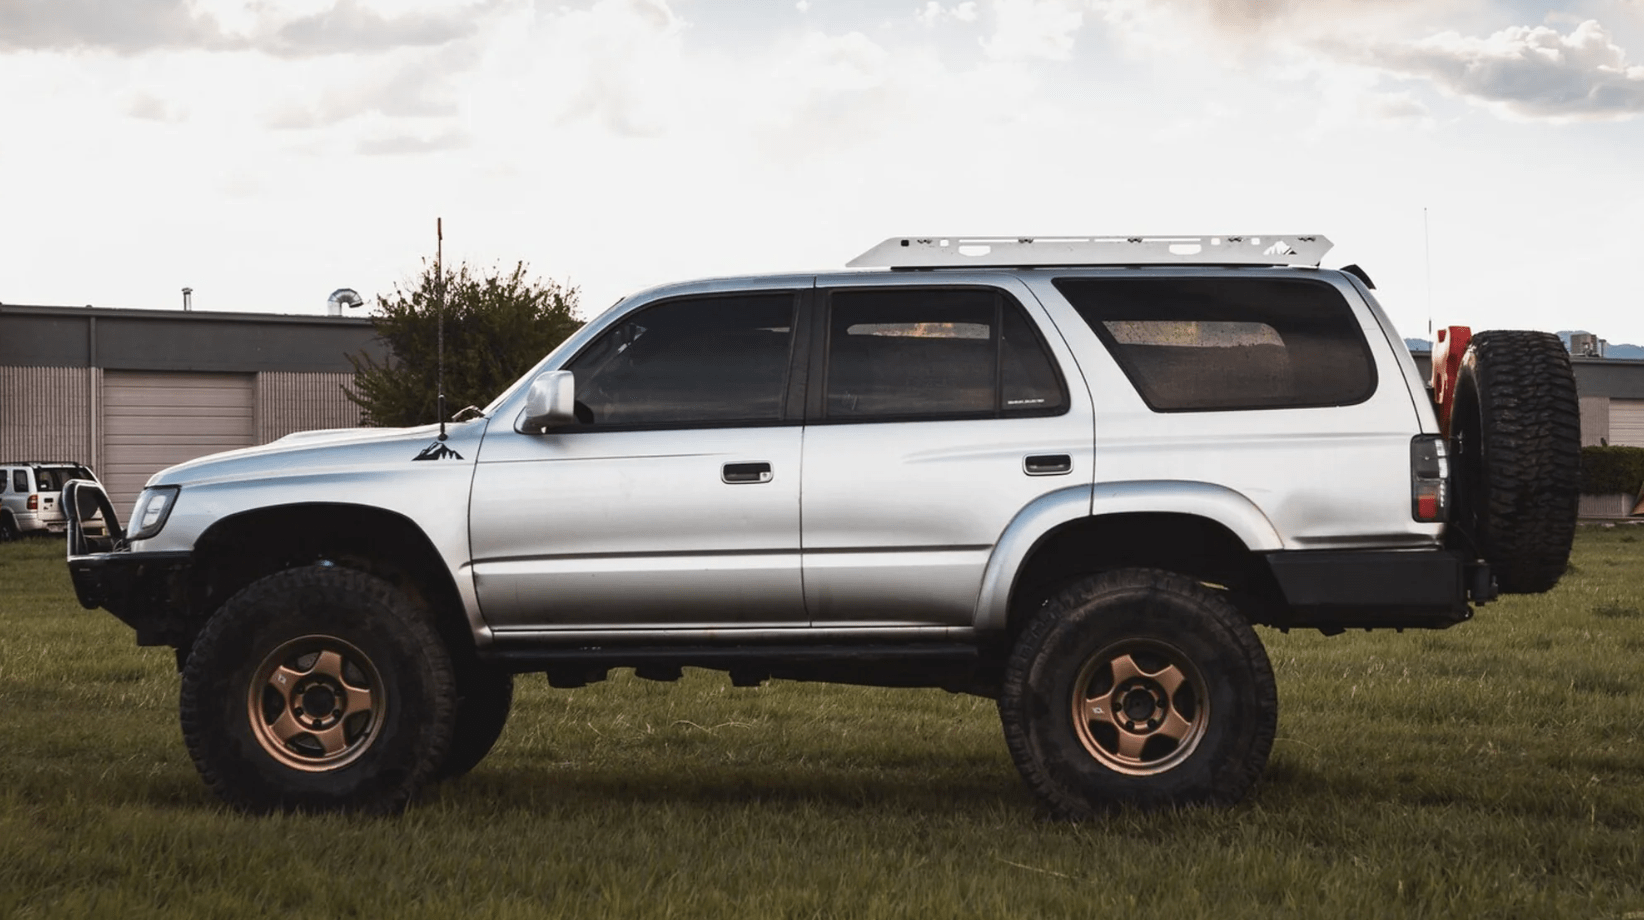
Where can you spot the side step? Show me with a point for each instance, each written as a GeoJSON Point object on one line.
{"type": "Point", "coordinates": [954, 666]}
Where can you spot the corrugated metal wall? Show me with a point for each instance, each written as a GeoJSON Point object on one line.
{"type": "Point", "coordinates": [45, 413]}
{"type": "Point", "coordinates": [1627, 422]}
{"type": "Point", "coordinates": [288, 402]}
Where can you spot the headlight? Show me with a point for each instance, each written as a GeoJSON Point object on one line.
{"type": "Point", "coordinates": [151, 511]}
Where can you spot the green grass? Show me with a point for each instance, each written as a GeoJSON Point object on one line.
{"type": "Point", "coordinates": [1492, 770]}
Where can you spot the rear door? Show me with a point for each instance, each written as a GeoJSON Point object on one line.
{"type": "Point", "coordinates": [937, 413]}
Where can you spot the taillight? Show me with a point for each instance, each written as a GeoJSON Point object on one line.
{"type": "Point", "coordinates": [1429, 479]}
{"type": "Point", "coordinates": [34, 502]}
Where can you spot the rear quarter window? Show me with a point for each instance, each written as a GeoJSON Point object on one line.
{"type": "Point", "coordinates": [1210, 344]}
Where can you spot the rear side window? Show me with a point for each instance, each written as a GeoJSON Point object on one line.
{"type": "Point", "coordinates": [1207, 344]}
{"type": "Point", "coordinates": [910, 353]}
{"type": "Point", "coordinates": [20, 480]}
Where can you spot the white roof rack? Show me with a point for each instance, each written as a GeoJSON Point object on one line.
{"type": "Point", "coordinates": [981, 251]}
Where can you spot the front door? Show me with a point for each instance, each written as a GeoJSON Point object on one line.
{"type": "Point", "coordinates": [675, 498]}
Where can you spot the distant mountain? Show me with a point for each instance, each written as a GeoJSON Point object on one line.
{"type": "Point", "coordinates": [1422, 346]}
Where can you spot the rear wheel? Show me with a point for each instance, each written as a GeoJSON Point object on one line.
{"type": "Point", "coordinates": [1138, 687]}
{"type": "Point", "coordinates": [317, 689]}
{"type": "Point", "coordinates": [1516, 424]}
{"type": "Point", "coordinates": [8, 528]}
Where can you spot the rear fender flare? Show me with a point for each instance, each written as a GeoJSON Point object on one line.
{"type": "Point", "coordinates": [1033, 523]}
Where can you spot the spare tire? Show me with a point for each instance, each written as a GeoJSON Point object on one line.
{"type": "Point", "coordinates": [1516, 427]}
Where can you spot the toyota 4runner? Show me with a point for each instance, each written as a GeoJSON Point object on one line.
{"type": "Point", "coordinates": [1068, 474]}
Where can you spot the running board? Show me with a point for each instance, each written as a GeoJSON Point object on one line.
{"type": "Point", "coordinates": [929, 664]}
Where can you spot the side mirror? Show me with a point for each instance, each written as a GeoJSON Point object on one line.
{"type": "Point", "coordinates": [550, 403]}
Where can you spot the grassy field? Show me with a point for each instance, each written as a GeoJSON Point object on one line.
{"type": "Point", "coordinates": [1492, 770]}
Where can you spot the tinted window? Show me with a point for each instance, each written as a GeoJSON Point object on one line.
{"type": "Point", "coordinates": [1199, 344]}
{"type": "Point", "coordinates": [20, 480]}
{"type": "Point", "coordinates": [911, 352]}
{"type": "Point", "coordinates": [52, 478]}
{"type": "Point", "coordinates": [700, 361]}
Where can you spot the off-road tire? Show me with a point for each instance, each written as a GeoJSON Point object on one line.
{"type": "Point", "coordinates": [485, 697]}
{"type": "Point", "coordinates": [343, 644]}
{"type": "Point", "coordinates": [1138, 636]}
{"type": "Point", "coordinates": [1516, 425]}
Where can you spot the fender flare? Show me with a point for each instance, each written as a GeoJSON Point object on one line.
{"type": "Point", "coordinates": [1048, 512]}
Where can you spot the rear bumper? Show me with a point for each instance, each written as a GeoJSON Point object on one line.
{"type": "Point", "coordinates": [1369, 589]}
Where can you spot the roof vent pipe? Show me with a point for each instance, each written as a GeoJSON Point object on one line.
{"type": "Point", "coordinates": [342, 297]}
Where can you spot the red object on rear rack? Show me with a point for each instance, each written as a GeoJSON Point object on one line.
{"type": "Point", "coordinates": [1448, 350]}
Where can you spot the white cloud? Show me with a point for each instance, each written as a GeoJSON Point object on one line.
{"type": "Point", "coordinates": [411, 84]}
{"type": "Point", "coordinates": [934, 12]}
{"type": "Point", "coordinates": [617, 62]}
{"type": "Point", "coordinates": [351, 26]}
{"type": "Point", "coordinates": [1529, 72]}
{"type": "Point", "coordinates": [1394, 107]}
{"type": "Point", "coordinates": [149, 107]}
{"type": "Point", "coordinates": [1034, 29]}
{"type": "Point", "coordinates": [126, 27]}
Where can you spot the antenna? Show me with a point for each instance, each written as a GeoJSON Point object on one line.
{"type": "Point", "coordinates": [1427, 254]}
{"type": "Point", "coordinates": [439, 308]}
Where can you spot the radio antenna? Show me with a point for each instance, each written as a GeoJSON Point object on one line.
{"type": "Point", "coordinates": [1427, 255]}
{"type": "Point", "coordinates": [439, 310]}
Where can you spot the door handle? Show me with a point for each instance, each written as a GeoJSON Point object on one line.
{"type": "Point", "coordinates": [746, 472]}
{"type": "Point", "coordinates": [1047, 464]}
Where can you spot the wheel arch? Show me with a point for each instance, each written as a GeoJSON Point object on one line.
{"type": "Point", "coordinates": [1204, 531]}
{"type": "Point", "coordinates": [244, 547]}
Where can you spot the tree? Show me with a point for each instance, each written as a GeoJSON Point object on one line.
{"type": "Point", "coordinates": [497, 326]}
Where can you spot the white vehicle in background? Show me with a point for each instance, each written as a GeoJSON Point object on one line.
{"type": "Point", "coordinates": [1072, 475]}
{"type": "Point", "coordinates": [30, 493]}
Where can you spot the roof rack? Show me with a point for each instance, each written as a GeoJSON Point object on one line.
{"type": "Point", "coordinates": [982, 251]}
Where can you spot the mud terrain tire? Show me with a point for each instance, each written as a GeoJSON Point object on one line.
{"type": "Point", "coordinates": [318, 689]}
{"type": "Point", "coordinates": [1516, 425]}
{"type": "Point", "coordinates": [1138, 687]}
{"type": "Point", "coordinates": [485, 698]}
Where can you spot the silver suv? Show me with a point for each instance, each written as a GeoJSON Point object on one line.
{"type": "Point", "coordinates": [1068, 474]}
{"type": "Point", "coordinates": [29, 494]}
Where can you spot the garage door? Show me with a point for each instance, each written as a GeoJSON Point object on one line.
{"type": "Point", "coordinates": [1627, 422]}
{"type": "Point", "coordinates": [152, 420]}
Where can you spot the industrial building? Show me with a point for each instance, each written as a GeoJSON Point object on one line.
{"type": "Point", "coordinates": [130, 392]}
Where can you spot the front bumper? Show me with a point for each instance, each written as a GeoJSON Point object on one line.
{"type": "Point", "coordinates": [1370, 589]}
{"type": "Point", "coordinates": [147, 591]}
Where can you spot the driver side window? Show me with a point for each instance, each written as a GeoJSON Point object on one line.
{"type": "Point", "coordinates": [701, 361]}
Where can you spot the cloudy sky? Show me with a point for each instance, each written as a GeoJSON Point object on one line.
{"type": "Point", "coordinates": [1480, 158]}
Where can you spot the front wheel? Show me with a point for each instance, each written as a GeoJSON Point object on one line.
{"type": "Point", "coordinates": [318, 689]}
{"type": "Point", "coordinates": [1138, 687]}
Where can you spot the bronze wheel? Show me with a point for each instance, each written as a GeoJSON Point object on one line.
{"type": "Point", "coordinates": [1141, 688]}
{"type": "Point", "coordinates": [318, 688]}
{"type": "Point", "coordinates": [316, 703]}
{"type": "Point", "coordinates": [1140, 707]}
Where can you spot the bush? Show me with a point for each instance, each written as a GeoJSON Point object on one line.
{"type": "Point", "coordinates": [1607, 470]}
{"type": "Point", "coordinates": [497, 325]}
